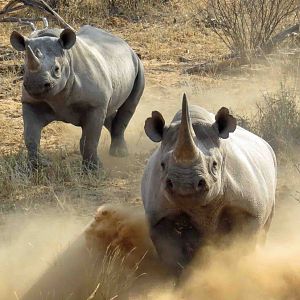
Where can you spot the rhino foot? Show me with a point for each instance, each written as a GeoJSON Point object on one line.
{"type": "Point", "coordinates": [38, 163]}
{"type": "Point", "coordinates": [90, 166]}
{"type": "Point", "coordinates": [118, 148]}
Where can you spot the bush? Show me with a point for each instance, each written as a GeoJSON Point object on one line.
{"type": "Point", "coordinates": [246, 26]}
{"type": "Point", "coordinates": [277, 119]}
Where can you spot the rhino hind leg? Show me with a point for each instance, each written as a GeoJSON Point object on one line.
{"type": "Point", "coordinates": [124, 114]}
{"type": "Point", "coordinates": [118, 146]}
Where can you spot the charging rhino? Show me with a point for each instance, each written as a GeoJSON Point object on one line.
{"type": "Point", "coordinates": [208, 179]}
{"type": "Point", "coordinates": [88, 79]}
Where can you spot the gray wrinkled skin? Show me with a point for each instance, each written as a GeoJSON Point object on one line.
{"type": "Point", "coordinates": [228, 190]}
{"type": "Point", "coordinates": [94, 81]}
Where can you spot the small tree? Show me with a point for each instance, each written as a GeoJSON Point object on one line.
{"type": "Point", "coordinates": [245, 26]}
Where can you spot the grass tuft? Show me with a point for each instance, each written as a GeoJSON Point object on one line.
{"type": "Point", "coordinates": [114, 275]}
{"type": "Point", "coordinates": [64, 172]}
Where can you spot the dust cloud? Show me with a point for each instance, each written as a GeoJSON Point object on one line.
{"type": "Point", "coordinates": [270, 273]}
{"type": "Point", "coordinates": [66, 257]}
{"type": "Point", "coordinates": [50, 253]}
{"type": "Point", "coordinates": [240, 94]}
{"type": "Point", "coordinates": [29, 245]}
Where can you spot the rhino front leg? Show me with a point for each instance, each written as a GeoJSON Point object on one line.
{"type": "Point", "coordinates": [35, 117]}
{"type": "Point", "coordinates": [91, 131]}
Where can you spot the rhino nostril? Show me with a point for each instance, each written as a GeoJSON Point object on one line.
{"type": "Point", "coordinates": [202, 184]}
{"type": "Point", "coordinates": [169, 184]}
{"type": "Point", "coordinates": [47, 85]}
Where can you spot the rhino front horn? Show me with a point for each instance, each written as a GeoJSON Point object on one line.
{"type": "Point", "coordinates": [185, 150]}
{"type": "Point", "coordinates": [32, 61]}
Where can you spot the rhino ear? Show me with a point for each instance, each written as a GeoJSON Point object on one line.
{"type": "Point", "coordinates": [154, 127]}
{"type": "Point", "coordinates": [225, 123]}
{"type": "Point", "coordinates": [67, 38]}
{"type": "Point", "coordinates": [18, 41]}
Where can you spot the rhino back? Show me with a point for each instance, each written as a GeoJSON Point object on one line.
{"type": "Point", "coordinates": [103, 59]}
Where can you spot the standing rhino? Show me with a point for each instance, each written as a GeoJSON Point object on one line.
{"type": "Point", "coordinates": [88, 79]}
{"type": "Point", "coordinates": [208, 180]}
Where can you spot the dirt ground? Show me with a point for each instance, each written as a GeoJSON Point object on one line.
{"type": "Point", "coordinates": [34, 208]}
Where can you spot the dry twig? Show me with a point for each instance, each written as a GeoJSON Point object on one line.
{"type": "Point", "coordinates": [17, 5]}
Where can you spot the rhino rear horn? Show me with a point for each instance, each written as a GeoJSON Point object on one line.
{"type": "Point", "coordinates": [185, 150]}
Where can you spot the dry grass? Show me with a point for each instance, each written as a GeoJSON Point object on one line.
{"type": "Point", "coordinates": [113, 276]}
{"type": "Point", "coordinates": [64, 186]}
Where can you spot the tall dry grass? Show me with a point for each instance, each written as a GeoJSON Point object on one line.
{"type": "Point", "coordinates": [62, 184]}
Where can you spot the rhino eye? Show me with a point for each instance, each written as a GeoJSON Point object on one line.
{"type": "Point", "coordinates": [56, 71]}
{"type": "Point", "coordinates": [215, 164]}
{"type": "Point", "coordinates": [163, 165]}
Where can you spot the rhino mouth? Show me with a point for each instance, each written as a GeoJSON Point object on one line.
{"type": "Point", "coordinates": [183, 233]}
{"type": "Point", "coordinates": [39, 93]}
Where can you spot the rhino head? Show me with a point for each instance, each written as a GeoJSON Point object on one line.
{"type": "Point", "coordinates": [192, 158]}
{"type": "Point", "coordinates": [47, 66]}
